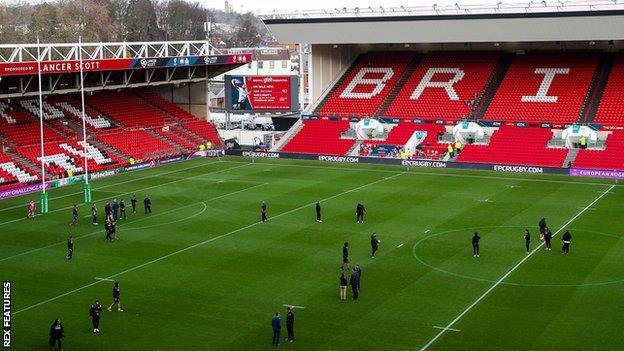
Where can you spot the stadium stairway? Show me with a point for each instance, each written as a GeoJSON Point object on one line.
{"type": "Point", "coordinates": [596, 87]}
{"type": "Point", "coordinates": [491, 87]}
{"type": "Point", "coordinates": [570, 157]}
{"type": "Point", "coordinates": [385, 105]}
{"type": "Point", "coordinates": [599, 88]}
{"type": "Point", "coordinates": [105, 147]}
{"type": "Point", "coordinates": [167, 140]}
{"type": "Point", "coordinates": [294, 130]}
{"type": "Point", "coordinates": [26, 162]}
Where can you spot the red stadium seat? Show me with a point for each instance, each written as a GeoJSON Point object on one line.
{"type": "Point", "coordinates": [611, 109]}
{"type": "Point", "coordinates": [609, 159]}
{"type": "Point", "coordinates": [321, 137]}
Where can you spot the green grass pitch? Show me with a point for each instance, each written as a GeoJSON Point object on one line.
{"type": "Point", "coordinates": [201, 272]}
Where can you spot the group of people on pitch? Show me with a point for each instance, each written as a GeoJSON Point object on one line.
{"type": "Point", "coordinates": [57, 333]}
{"type": "Point", "coordinates": [545, 237]}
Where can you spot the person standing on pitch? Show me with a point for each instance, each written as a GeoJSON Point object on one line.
{"type": "Point", "coordinates": [108, 211]}
{"type": "Point", "coordinates": [276, 322]}
{"type": "Point", "coordinates": [374, 244]}
{"type": "Point", "coordinates": [56, 334]}
{"type": "Point", "coordinates": [94, 313]}
{"type": "Point", "coordinates": [343, 286]}
{"type": "Point", "coordinates": [147, 203]}
{"type": "Point", "coordinates": [115, 210]}
{"type": "Point", "coordinates": [548, 238]}
{"type": "Point", "coordinates": [74, 215]}
{"type": "Point", "coordinates": [345, 255]}
{"type": "Point", "coordinates": [133, 203]}
{"type": "Point", "coordinates": [527, 241]}
{"type": "Point", "coordinates": [475, 244]}
{"type": "Point", "coordinates": [263, 212]}
{"type": "Point", "coordinates": [358, 270]}
{"type": "Point", "coordinates": [353, 281]}
{"type": "Point", "coordinates": [116, 298]}
{"type": "Point", "coordinates": [290, 324]}
{"type": "Point", "coordinates": [318, 212]}
{"type": "Point", "coordinates": [542, 225]}
{"type": "Point", "coordinates": [122, 209]}
{"type": "Point", "coordinates": [359, 213]}
{"type": "Point", "coordinates": [566, 239]}
{"type": "Point", "coordinates": [70, 248]}
{"type": "Point", "coordinates": [94, 213]}
{"type": "Point", "coordinates": [31, 209]}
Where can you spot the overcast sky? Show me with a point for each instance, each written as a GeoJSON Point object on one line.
{"type": "Point", "coordinates": [281, 5]}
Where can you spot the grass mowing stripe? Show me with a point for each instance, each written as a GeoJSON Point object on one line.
{"type": "Point", "coordinates": [499, 281]}
{"type": "Point", "coordinates": [134, 191]}
{"type": "Point", "coordinates": [118, 183]}
{"type": "Point", "coordinates": [200, 244]}
{"type": "Point", "coordinates": [138, 220]}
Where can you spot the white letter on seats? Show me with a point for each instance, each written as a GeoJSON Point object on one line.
{"type": "Point", "coordinates": [359, 79]}
{"type": "Point", "coordinates": [426, 82]}
{"type": "Point", "coordinates": [549, 75]}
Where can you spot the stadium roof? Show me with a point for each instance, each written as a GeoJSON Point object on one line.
{"type": "Point", "coordinates": [521, 22]}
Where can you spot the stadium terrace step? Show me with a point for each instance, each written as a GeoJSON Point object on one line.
{"type": "Point", "coordinates": [611, 104]}
{"type": "Point", "coordinates": [385, 105]}
{"type": "Point", "coordinates": [569, 160]}
{"type": "Point", "coordinates": [32, 167]}
{"type": "Point", "coordinates": [102, 146]}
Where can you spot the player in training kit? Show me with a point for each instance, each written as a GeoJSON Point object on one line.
{"type": "Point", "coordinates": [542, 225]}
{"type": "Point", "coordinates": [359, 213]}
{"type": "Point", "coordinates": [318, 212]}
{"type": "Point", "coordinates": [115, 209]}
{"type": "Point", "coordinates": [374, 244]}
{"type": "Point", "coordinates": [31, 209]}
{"type": "Point", "coordinates": [548, 238]}
{"type": "Point", "coordinates": [116, 298]}
{"type": "Point", "coordinates": [56, 334]}
{"type": "Point", "coordinates": [527, 240]}
{"type": "Point", "coordinates": [263, 212]}
{"type": "Point", "coordinates": [147, 203]}
{"type": "Point", "coordinates": [122, 209]}
{"type": "Point", "coordinates": [70, 248]}
{"type": "Point", "coordinates": [566, 239]}
{"type": "Point", "coordinates": [74, 215]}
{"type": "Point", "coordinates": [133, 203]}
{"type": "Point", "coordinates": [345, 255]}
{"type": "Point", "coordinates": [94, 213]}
{"type": "Point", "coordinates": [94, 313]}
{"type": "Point", "coordinates": [475, 244]}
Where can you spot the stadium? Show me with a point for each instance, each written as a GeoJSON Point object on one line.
{"type": "Point", "coordinates": [437, 177]}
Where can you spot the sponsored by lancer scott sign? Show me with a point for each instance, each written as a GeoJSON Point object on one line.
{"type": "Point", "coordinates": [73, 66]}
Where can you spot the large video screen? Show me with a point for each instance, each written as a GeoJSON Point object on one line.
{"type": "Point", "coordinates": [261, 93]}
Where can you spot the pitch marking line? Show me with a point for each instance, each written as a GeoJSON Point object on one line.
{"type": "Point", "coordinates": [194, 246]}
{"type": "Point", "coordinates": [451, 329]}
{"type": "Point", "coordinates": [399, 245]}
{"type": "Point", "coordinates": [138, 220]}
{"type": "Point", "coordinates": [293, 306]}
{"type": "Point", "coordinates": [513, 269]}
{"type": "Point", "coordinates": [129, 192]}
{"type": "Point", "coordinates": [486, 200]}
{"type": "Point", "coordinates": [104, 279]}
{"type": "Point", "coordinates": [427, 231]}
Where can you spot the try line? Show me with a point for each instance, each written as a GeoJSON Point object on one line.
{"type": "Point", "coordinates": [499, 281]}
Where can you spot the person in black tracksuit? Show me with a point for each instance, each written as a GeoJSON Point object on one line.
{"type": "Point", "coordinates": [94, 313]}
{"type": "Point", "coordinates": [115, 210]}
{"type": "Point", "coordinates": [353, 281]}
{"type": "Point", "coordinates": [70, 248]}
{"type": "Point", "coordinates": [122, 209]}
{"type": "Point", "coordinates": [318, 212]}
{"type": "Point", "coordinates": [290, 325]}
{"type": "Point", "coordinates": [542, 225]}
{"type": "Point", "coordinates": [133, 203]}
{"type": "Point", "coordinates": [475, 244]}
{"type": "Point", "coordinates": [108, 211]}
{"type": "Point", "coordinates": [527, 240]}
{"type": "Point", "coordinates": [566, 239]}
{"type": "Point", "coordinates": [359, 213]}
{"type": "Point", "coordinates": [374, 244]}
{"type": "Point", "coordinates": [56, 334]}
{"type": "Point", "coordinates": [147, 203]}
{"type": "Point", "coordinates": [263, 212]}
{"type": "Point", "coordinates": [548, 238]}
{"type": "Point", "coordinates": [345, 255]}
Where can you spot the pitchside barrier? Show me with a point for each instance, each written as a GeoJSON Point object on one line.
{"type": "Point", "coordinates": [434, 164]}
